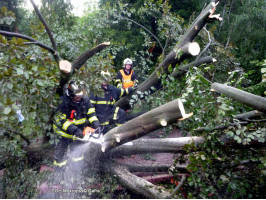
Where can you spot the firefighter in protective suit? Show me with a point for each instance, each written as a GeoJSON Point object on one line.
{"type": "Point", "coordinates": [106, 111]}
{"type": "Point", "coordinates": [126, 77]}
{"type": "Point", "coordinates": [75, 113]}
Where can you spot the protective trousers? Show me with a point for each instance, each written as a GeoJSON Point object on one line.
{"type": "Point", "coordinates": [72, 158]}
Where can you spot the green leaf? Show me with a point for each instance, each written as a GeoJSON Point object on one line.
{"type": "Point", "coordinates": [9, 20]}
{"type": "Point", "coordinates": [9, 85]}
{"type": "Point", "coordinates": [7, 110]}
{"type": "Point", "coordinates": [230, 133]}
{"type": "Point", "coordinates": [19, 71]}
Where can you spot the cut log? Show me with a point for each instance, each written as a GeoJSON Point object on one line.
{"type": "Point", "coordinates": [65, 66]}
{"type": "Point", "coordinates": [155, 145]}
{"type": "Point", "coordinates": [254, 101]}
{"type": "Point", "coordinates": [158, 178]}
{"type": "Point", "coordinates": [154, 168]}
{"type": "Point", "coordinates": [248, 115]}
{"type": "Point", "coordinates": [144, 124]}
{"type": "Point", "coordinates": [137, 184]}
{"type": "Point", "coordinates": [191, 48]}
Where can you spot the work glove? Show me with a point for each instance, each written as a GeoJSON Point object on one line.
{"type": "Point", "coordinates": [78, 133]}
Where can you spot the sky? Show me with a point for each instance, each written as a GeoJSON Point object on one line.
{"type": "Point", "coordinates": [78, 5]}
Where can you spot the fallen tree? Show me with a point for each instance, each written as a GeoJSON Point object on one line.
{"type": "Point", "coordinates": [126, 139]}
{"type": "Point", "coordinates": [184, 48]}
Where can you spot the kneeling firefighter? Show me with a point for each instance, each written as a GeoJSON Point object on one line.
{"type": "Point", "coordinates": [106, 111]}
{"type": "Point", "coordinates": [76, 113]}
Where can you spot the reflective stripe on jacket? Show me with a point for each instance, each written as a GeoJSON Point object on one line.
{"type": "Point", "coordinates": [77, 115]}
{"type": "Point", "coordinates": [104, 106]}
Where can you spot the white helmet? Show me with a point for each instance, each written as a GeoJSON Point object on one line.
{"type": "Point", "coordinates": [127, 61]}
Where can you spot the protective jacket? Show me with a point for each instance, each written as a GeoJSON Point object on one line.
{"type": "Point", "coordinates": [105, 108]}
{"type": "Point", "coordinates": [124, 79]}
{"type": "Point", "coordinates": [73, 117]}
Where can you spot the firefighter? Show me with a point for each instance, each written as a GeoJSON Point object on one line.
{"type": "Point", "coordinates": [75, 113]}
{"type": "Point", "coordinates": [126, 77]}
{"type": "Point", "coordinates": [106, 111]}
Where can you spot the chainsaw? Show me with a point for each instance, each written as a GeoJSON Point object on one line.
{"type": "Point", "coordinates": [91, 135]}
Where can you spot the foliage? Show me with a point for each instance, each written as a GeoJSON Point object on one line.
{"type": "Point", "coordinates": [29, 77]}
{"type": "Point", "coordinates": [244, 30]}
{"type": "Point", "coordinates": [6, 17]}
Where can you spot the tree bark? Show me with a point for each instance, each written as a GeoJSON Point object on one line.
{"type": "Point", "coordinates": [76, 64]}
{"type": "Point", "coordinates": [248, 115]}
{"type": "Point", "coordinates": [183, 69]}
{"type": "Point", "coordinates": [154, 168]}
{"type": "Point", "coordinates": [157, 145]}
{"type": "Point", "coordinates": [142, 125]}
{"type": "Point", "coordinates": [254, 101]}
{"type": "Point", "coordinates": [137, 184]}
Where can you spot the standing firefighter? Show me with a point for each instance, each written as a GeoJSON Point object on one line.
{"type": "Point", "coordinates": [76, 112]}
{"type": "Point", "coordinates": [106, 111]}
{"type": "Point", "coordinates": [126, 77]}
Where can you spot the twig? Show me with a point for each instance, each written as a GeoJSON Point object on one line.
{"type": "Point", "coordinates": [207, 46]}
{"type": "Point", "coordinates": [147, 31]}
{"type": "Point", "coordinates": [179, 185]}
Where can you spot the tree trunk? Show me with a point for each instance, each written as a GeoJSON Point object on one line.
{"type": "Point", "coordinates": [142, 125]}
{"type": "Point", "coordinates": [158, 145]}
{"type": "Point", "coordinates": [254, 101]}
{"type": "Point", "coordinates": [137, 184]}
{"type": "Point", "coordinates": [154, 168]}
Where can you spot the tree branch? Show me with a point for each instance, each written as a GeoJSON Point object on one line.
{"type": "Point", "coordinates": [155, 145]}
{"type": "Point", "coordinates": [18, 35]}
{"type": "Point", "coordinates": [183, 69]}
{"type": "Point", "coordinates": [87, 54]}
{"type": "Point", "coordinates": [246, 116]}
{"type": "Point", "coordinates": [179, 185]}
{"type": "Point", "coordinates": [154, 168]}
{"type": "Point", "coordinates": [68, 69]}
{"type": "Point", "coordinates": [254, 101]}
{"type": "Point", "coordinates": [137, 184]}
{"type": "Point", "coordinates": [207, 46]}
{"type": "Point", "coordinates": [46, 28]}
